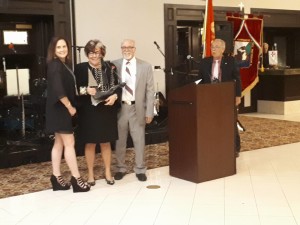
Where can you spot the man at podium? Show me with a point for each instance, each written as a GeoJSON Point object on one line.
{"type": "Point", "coordinates": [220, 68]}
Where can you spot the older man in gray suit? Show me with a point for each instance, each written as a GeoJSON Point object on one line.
{"type": "Point", "coordinates": [137, 108]}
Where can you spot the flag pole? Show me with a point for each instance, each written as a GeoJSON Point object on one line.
{"type": "Point", "coordinates": [209, 28]}
{"type": "Point", "coordinates": [204, 30]}
{"type": "Point", "coordinates": [262, 69]}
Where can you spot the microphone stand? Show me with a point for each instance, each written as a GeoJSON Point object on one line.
{"type": "Point", "coordinates": [171, 70]}
{"type": "Point", "coordinates": [159, 49]}
{"type": "Point", "coordinates": [22, 140]}
{"type": "Point", "coordinates": [79, 53]}
{"type": "Point", "coordinates": [19, 96]}
{"type": "Point", "coordinates": [156, 94]}
{"type": "Point", "coordinates": [78, 48]}
{"type": "Point", "coordinates": [22, 103]}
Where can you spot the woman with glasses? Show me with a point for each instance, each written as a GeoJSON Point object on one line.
{"type": "Point", "coordinates": [97, 112]}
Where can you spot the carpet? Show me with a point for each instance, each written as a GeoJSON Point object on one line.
{"type": "Point", "coordinates": [260, 133]}
{"type": "Point", "coordinates": [263, 133]}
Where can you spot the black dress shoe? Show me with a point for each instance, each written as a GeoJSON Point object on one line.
{"type": "Point", "coordinates": [141, 176]}
{"type": "Point", "coordinates": [110, 182]}
{"type": "Point", "coordinates": [119, 175]}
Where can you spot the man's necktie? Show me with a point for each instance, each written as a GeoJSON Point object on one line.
{"type": "Point", "coordinates": [128, 89]}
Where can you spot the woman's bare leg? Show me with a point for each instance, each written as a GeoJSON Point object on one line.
{"type": "Point", "coordinates": [90, 151]}
{"type": "Point", "coordinates": [106, 156]}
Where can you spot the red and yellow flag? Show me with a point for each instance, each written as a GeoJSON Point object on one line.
{"type": "Point", "coordinates": [208, 28]}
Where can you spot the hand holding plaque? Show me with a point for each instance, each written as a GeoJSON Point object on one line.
{"type": "Point", "coordinates": [102, 95]}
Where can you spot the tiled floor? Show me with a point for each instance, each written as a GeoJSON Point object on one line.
{"type": "Point", "coordinates": [265, 191]}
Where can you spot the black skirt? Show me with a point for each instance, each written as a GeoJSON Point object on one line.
{"type": "Point", "coordinates": [97, 124]}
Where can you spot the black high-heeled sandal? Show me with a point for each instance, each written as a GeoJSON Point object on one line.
{"type": "Point", "coordinates": [59, 184]}
{"type": "Point", "coordinates": [79, 185]}
{"type": "Point", "coordinates": [110, 182]}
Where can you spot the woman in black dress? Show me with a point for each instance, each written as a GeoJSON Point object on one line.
{"type": "Point", "coordinates": [61, 92]}
{"type": "Point", "coordinates": [97, 118]}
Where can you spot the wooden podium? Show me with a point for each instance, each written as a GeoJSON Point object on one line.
{"type": "Point", "coordinates": [202, 120]}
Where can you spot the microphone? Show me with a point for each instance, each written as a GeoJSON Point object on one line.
{"type": "Point", "coordinates": [156, 44]}
{"type": "Point", "coordinates": [189, 57]}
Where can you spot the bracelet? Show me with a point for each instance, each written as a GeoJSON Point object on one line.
{"type": "Point", "coordinates": [83, 90]}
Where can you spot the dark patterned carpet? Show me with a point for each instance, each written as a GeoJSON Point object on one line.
{"type": "Point", "coordinates": [260, 133]}
{"type": "Point", "coordinates": [263, 133]}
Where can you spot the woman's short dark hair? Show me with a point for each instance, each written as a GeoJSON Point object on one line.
{"type": "Point", "coordinates": [92, 44]}
{"type": "Point", "coordinates": [52, 47]}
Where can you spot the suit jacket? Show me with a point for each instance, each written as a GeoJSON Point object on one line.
{"type": "Point", "coordinates": [144, 88]}
{"type": "Point", "coordinates": [229, 68]}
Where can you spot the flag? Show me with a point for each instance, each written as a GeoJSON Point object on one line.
{"type": "Point", "coordinates": [208, 28]}
{"type": "Point", "coordinates": [273, 58]}
{"type": "Point", "coordinates": [247, 31]}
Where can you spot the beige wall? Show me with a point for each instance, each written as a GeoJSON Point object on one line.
{"type": "Point", "coordinates": [143, 20]}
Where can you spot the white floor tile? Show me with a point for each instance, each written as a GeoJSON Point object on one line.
{"type": "Point", "coordinates": [242, 220]}
{"type": "Point", "coordinates": [277, 220]}
{"type": "Point", "coordinates": [206, 220]}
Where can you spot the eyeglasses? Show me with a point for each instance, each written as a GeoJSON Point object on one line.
{"type": "Point", "coordinates": [93, 53]}
{"type": "Point", "coordinates": [127, 47]}
{"type": "Point", "coordinates": [215, 47]}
